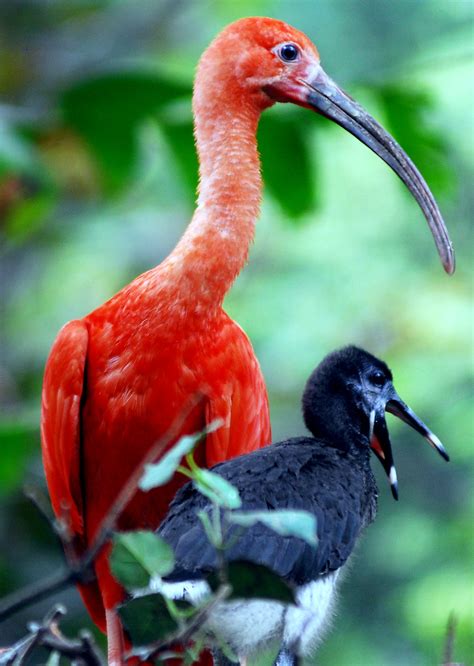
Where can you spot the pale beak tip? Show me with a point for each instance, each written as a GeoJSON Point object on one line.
{"type": "Point", "coordinates": [393, 482]}
{"type": "Point", "coordinates": [439, 447]}
{"type": "Point", "coordinates": [449, 264]}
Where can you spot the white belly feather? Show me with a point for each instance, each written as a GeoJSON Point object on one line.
{"type": "Point", "coordinates": [250, 626]}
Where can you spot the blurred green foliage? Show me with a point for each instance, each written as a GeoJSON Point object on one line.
{"type": "Point", "coordinates": [97, 181]}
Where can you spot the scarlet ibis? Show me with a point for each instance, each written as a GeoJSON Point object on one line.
{"type": "Point", "coordinates": [116, 379]}
{"type": "Point", "coordinates": [328, 475]}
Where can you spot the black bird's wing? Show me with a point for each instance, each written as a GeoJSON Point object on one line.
{"type": "Point", "coordinates": [296, 474]}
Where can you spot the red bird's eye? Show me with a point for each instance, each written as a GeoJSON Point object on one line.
{"type": "Point", "coordinates": [289, 52]}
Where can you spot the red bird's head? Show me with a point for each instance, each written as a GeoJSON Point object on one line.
{"type": "Point", "coordinates": [256, 62]}
{"type": "Point", "coordinates": [256, 57]}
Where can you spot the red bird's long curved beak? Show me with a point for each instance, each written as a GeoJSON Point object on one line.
{"type": "Point", "coordinates": [330, 101]}
{"type": "Point", "coordinates": [323, 95]}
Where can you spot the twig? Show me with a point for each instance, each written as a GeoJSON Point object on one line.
{"type": "Point", "coordinates": [83, 648]}
{"type": "Point", "coordinates": [40, 501]}
{"type": "Point", "coordinates": [448, 650]}
{"type": "Point", "coordinates": [59, 527]}
{"type": "Point", "coordinates": [47, 634]}
{"type": "Point", "coordinates": [80, 570]}
{"type": "Point", "coordinates": [36, 592]}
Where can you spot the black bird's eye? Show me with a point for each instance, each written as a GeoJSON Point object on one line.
{"type": "Point", "coordinates": [377, 378]}
{"type": "Point", "coordinates": [289, 52]}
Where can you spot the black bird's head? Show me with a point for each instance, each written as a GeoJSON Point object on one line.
{"type": "Point", "coordinates": [345, 401]}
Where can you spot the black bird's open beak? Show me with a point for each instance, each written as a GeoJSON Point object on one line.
{"type": "Point", "coordinates": [379, 437]}
{"type": "Point", "coordinates": [381, 446]}
{"type": "Point", "coordinates": [328, 99]}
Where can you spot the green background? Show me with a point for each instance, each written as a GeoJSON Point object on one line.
{"type": "Point", "coordinates": [97, 178]}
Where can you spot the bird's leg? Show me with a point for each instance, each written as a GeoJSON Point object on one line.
{"type": "Point", "coordinates": [115, 642]}
{"type": "Point", "coordinates": [287, 658]}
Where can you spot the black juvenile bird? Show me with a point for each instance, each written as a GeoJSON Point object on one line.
{"type": "Point", "coordinates": [328, 475]}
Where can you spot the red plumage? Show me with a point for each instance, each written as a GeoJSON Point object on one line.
{"type": "Point", "coordinates": [114, 385]}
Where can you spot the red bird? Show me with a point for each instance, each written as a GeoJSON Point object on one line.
{"type": "Point", "coordinates": [117, 379]}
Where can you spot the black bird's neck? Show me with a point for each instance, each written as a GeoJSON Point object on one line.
{"type": "Point", "coordinates": [342, 430]}
{"type": "Point", "coordinates": [349, 452]}
{"type": "Point", "coordinates": [354, 461]}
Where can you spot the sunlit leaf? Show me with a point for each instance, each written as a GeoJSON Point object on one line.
{"type": "Point", "coordinates": [161, 472]}
{"type": "Point", "coordinates": [157, 474]}
{"type": "Point", "coordinates": [217, 489]}
{"type": "Point", "coordinates": [286, 522]}
{"type": "Point", "coordinates": [136, 556]}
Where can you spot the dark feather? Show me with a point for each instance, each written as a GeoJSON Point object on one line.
{"type": "Point", "coordinates": [336, 486]}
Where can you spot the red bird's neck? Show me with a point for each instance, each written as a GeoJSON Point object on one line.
{"type": "Point", "coordinates": [215, 246]}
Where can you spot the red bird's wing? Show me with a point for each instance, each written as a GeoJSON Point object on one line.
{"type": "Point", "coordinates": [60, 422]}
{"type": "Point", "coordinates": [241, 404]}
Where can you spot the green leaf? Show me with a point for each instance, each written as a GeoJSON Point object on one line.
{"type": "Point", "coordinates": [287, 167]}
{"type": "Point", "coordinates": [147, 619]}
{"type": "Point", "coordinates": [28, 215]}
{"type": "Point", "coordinates": [107, 111]}
{"type": "Point", "coordinates": [407, 115]}
{"type": "Point", "coordinates": [158, 474]}
{"type": "Point", "coordinates": [254, 581]}
{"type": "Point", "coordinates": [286, 522]}
{"type": "Point", "coordinates": [19, 442]}
{"type": "Point", "coordinates": [136, 556]}
{"type": "Point", "coordinates": [217, 489]}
